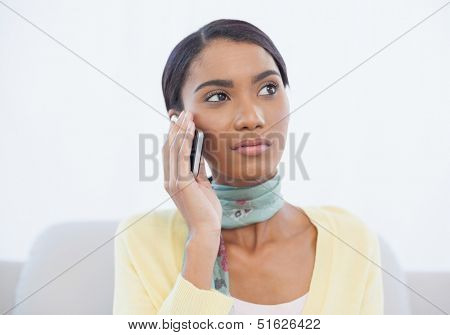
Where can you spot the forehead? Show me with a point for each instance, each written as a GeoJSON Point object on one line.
{"type": "Point", "coordinates": [224, 59]}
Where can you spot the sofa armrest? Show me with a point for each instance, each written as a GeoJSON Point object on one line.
{"type": "Point", "coordinates": [10, 272]}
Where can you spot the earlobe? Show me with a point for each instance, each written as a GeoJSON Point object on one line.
{"type": "Point", "coordinates": [172, 112]}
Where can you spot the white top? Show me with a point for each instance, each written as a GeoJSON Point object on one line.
{"type": "Point", "coordinates": [293, 307]}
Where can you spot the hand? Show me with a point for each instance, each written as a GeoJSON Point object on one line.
{"type": "Point", "coordinates": [193, 196]}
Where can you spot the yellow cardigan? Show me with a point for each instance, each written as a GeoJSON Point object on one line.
{"type": "Point", "coordinates": [149, 252]}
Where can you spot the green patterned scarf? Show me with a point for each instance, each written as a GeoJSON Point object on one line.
{"type": "Point", "coordinates": [242, 206]}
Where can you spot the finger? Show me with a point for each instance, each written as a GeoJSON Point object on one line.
{"type": "Point", "coordinates": [174, 149]}
{"type": "Point", "coordinates": [202, 177]}
{"type": "Point", "coordinates": [165, 150]}
{"type": "Point", "coordinates": [175, 127]}
{"type": "Point", "coordinates": [184, 164]}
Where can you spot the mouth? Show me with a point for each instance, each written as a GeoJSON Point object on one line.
{"type": "Point", "coordinates": [252, 147]}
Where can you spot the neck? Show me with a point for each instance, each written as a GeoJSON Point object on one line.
{"type": "Point", "coordinates": [286, 224]}
{"type": "Point", "coordinates": [253, 237]}
{"type": "Point", "coordinates": [241, 182]}
{"type": "Point", "coordinates": [247, 205]}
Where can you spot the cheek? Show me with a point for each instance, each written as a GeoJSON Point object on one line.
{"type": "Point", "coordinates": [212, 121]}
{"type": "Point", "coordinates": [282, 108]}
{"type": "Point", "coordinates": [217, 150]}
{"type": "Point", "coordinates": [213, 148]}
{"type": "Point", "coordinates": [278, 122]}
{"type": "Point", "coordinates": [278, 135]}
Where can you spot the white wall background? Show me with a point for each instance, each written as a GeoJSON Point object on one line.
{"type": "Point", "coordinates": [379, 143]}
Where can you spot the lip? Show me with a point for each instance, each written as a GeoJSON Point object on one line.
{"type": "Point", "coordinates": [252, 147]}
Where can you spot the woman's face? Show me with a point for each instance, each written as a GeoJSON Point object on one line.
{"type": "Point", "coordinates": [246, 101]}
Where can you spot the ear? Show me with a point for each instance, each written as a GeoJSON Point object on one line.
{"type": "Point", "coordinates": [172, 111]}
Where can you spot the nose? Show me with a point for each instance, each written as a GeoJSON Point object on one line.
{"type": "Point", "coordinates": [249, 117]}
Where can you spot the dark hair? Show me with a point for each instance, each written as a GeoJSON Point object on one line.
{"type": "Point", "coordinates": [185, 51]}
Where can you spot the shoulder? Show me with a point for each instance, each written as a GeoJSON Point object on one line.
{"type": "Point", "coordinates": [151, 226]}
{"type": "Point", "coordinates": [349, 229]}
{"type": "Point", "coordinates": [349, 261]}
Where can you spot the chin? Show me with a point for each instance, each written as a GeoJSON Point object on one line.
{"type": "Point", "coordinates": [250, 174]}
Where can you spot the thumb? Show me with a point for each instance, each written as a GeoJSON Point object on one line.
{"type": "Point", "coordinates": [202, 177]}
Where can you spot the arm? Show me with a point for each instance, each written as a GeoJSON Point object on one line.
{"type": "Point", "coordinates": [186, 298]}
{"type": "Point", "coordinates": [373, 300]}
{"type": "Point", "coordinates": [192, 293]}
{"type": "Point", "coordinates": [131, 297]}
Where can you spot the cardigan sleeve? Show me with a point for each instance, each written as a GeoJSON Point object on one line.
{"type": "Point", "coordinates": [186, 298]}
{"type": "Point", "coordinates": [132, 297]}
{"type": "Point", "coordinates": [373, 299]}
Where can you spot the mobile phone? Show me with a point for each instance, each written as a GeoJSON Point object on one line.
{"type": "Point", "coordinates": [196, 150]}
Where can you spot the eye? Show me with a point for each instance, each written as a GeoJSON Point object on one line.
{"type": "Point", "coordinates": [216, 96]}
{"type": "Point", "coordinates": [270, 88]}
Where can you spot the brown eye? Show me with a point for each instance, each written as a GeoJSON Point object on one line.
{"type": "Point", "coordinates": [216, 97]}
{"type": "Point", "coordinates": [269, 89]}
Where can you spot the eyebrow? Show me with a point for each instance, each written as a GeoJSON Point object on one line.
{"type": "Point", "coordinates": [229, 83]}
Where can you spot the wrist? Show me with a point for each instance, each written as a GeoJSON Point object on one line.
{"type": "Point", "coordinates": [204, 240]}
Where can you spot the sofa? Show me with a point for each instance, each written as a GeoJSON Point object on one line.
{"type": "Point", "coordinates": [70, 270]}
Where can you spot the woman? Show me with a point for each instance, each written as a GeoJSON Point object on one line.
{"type": "Point", "coordinates": [233, 245]}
